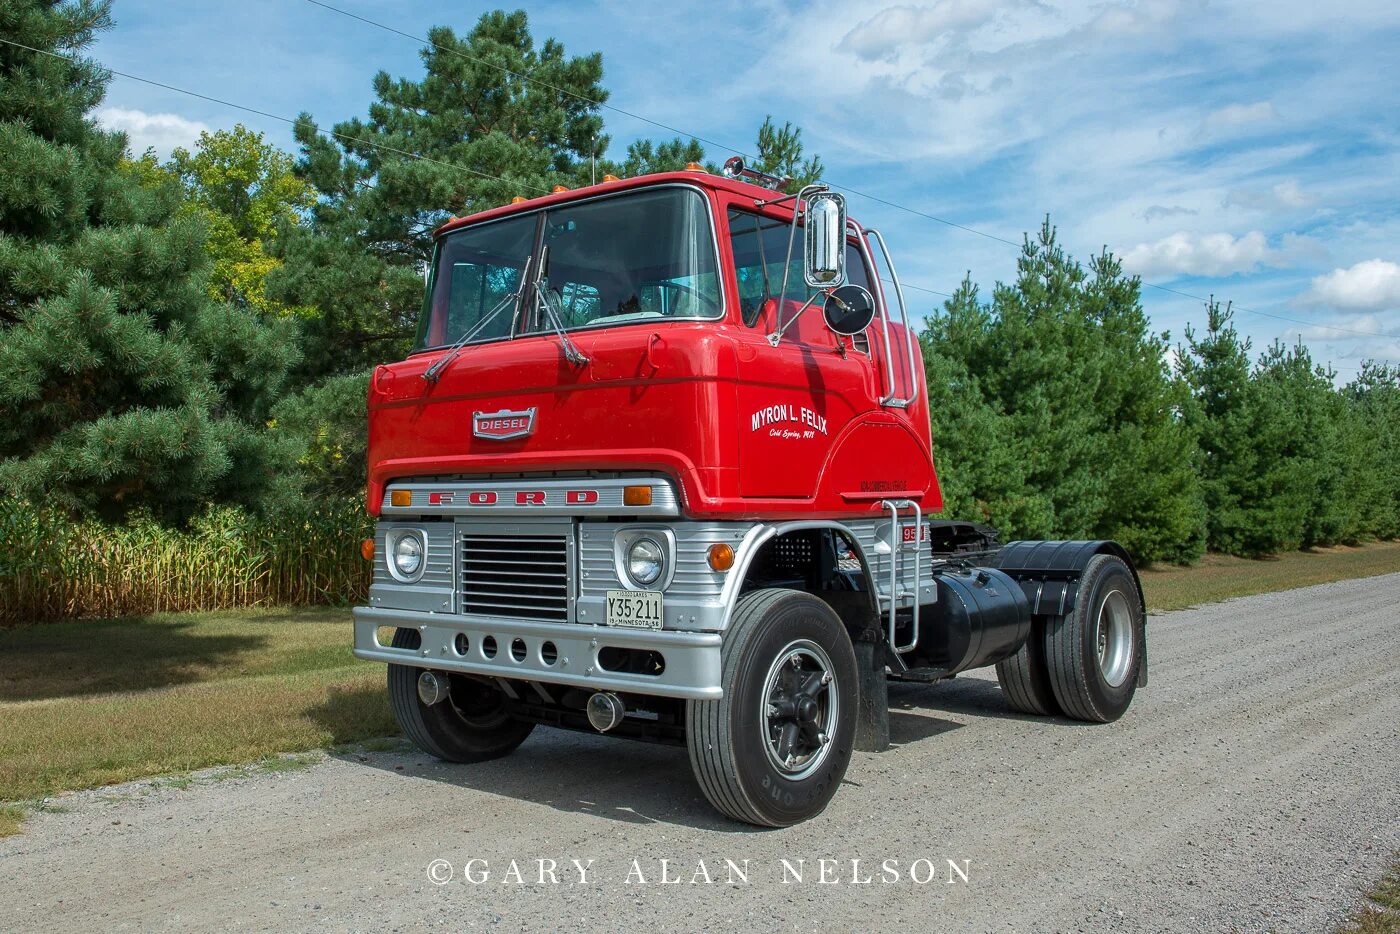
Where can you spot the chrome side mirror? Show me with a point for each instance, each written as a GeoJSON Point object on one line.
{"type": "Point", "coordinates": [824, 241]}
{"type": "Point", "coordinates": [849, 310]}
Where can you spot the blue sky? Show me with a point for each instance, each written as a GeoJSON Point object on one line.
{"type": "Point", "coordinates": [1246, 149]}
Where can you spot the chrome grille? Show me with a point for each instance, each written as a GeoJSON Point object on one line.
{"type": "Point", "coordinates": [519, 576]}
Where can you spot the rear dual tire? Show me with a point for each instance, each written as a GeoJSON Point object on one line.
{"type": "Point", "coordinates": [1084, 664]}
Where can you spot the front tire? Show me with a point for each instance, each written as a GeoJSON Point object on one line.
{"type": "Point", "coordinates": [471, 725]}
{"type": "Point", "coordinates": [1094, 652]}
{"type": "Point", "coordinates": [774, 749]}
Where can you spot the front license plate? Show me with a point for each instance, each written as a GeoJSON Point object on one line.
{"type": "Point", "coordinates": [638, 609]}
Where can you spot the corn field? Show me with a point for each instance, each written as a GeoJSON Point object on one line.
{"type": "Point", "coordinates": [52, 567]}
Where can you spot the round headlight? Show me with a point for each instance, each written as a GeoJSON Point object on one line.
{"type": "Point", "coordinates": [645, 562]}
{"type": "Point", "coordinates": [406, 553]}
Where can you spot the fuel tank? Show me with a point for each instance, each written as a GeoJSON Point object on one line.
{"type": "Point", "coordinates": [981, 617]}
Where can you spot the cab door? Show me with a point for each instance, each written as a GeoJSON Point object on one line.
{"type": "Point", "coordinates": [796, 399]}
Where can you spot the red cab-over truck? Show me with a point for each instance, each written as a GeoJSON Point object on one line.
{"type": "Point", "coordinates": [659, 467]}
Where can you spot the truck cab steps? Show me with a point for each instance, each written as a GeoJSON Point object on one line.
{"type": "Point", "coordinates": [898, 548]}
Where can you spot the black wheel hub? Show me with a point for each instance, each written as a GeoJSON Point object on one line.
{"type": "Point", "coordinates": [800, 706]}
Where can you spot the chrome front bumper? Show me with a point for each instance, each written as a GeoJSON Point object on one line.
{"type": "Point", "coordinates": [692, 659]}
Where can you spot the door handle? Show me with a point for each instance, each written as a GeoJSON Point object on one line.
{"type": "Point", "coordinates": [658, 355]}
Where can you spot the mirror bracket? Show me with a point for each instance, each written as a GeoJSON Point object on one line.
{"type": "Point", "coordinates": [807, 192]}
{"type": "Point", "coordinates": [777, 335]}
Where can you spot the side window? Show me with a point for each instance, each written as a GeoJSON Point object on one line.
{"type": "Point", "coordinates": [759, 245]}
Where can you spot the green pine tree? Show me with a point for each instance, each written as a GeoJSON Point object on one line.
{"type": "Point", "coordinates": [122, 385]}
{"type": "Point", "coordinates": [1154, 503]}
{"type": "Point", "coordinates": [1246, 475]}
{"type": "Point", "coordinates": [1306, 439]}
{"type": "Point", "coordinates": [982, 462]}
{"type": "Point", "coordinates": [484, 135]}
{"type": "Point", "coordinates": [1371, 403]}
{"type": "Point", "coordinates": [1054, 413]}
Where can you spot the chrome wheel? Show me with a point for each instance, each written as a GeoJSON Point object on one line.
{"type": "Point", "coordinates": [800, 705]}
{"type": "Point", "coordinates": [1114, 634]}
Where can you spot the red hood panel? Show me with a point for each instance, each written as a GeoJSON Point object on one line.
{"type": "Point", "coordinates": [638, 404]}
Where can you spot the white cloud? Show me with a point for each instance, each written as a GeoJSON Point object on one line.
{"type": "Point", "coordinates": [880, 36]}
{"type": "Point", "coordinates": [1156, 212]}
{"type": "Point", "coordinates": [1373, 284]}
{"type": "Point", "coordinates": [1285, 196]}
{"type": "Point", "coordinates": [161, 132]}
{"type": "Point", "coordinates": [1218, 254]}
{"type": "Point", "coordinates": [1237, 115]}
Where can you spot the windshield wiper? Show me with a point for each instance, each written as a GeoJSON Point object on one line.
{"type": "Point", "coordinates": [434, 371]}
{"type": "Point", "coordinates": [542, 297]}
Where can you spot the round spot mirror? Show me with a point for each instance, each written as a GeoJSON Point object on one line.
{"type": "Point", "coordinates": [849, 310]}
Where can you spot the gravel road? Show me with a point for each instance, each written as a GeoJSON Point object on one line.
{"type": "Point", "coordinates": [1253, 786]}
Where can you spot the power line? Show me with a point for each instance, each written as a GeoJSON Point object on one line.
{"type": "Point", "coordinates": [506, 181]}
{"type": "Point", "coordinates": [288, 120]}
{"type": "Point", "coordinates": [523, 76]}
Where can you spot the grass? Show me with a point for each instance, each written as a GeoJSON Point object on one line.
{"type": "Point", "coordinates": [87, 704]}
{"type": "Point", "coordinates": [11, 819]}
{"type": "Point", "coordinates": [97, 702]}
{"type": "Point", "coordinates": [1381, 913]}
{"type": "Point", "coordinates": [1218, 577]}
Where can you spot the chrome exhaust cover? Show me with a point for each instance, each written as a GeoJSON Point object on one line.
{"type": "Point", "coordinates": [433, 687]}
{"type": "Point", "coordinates": [605, 711]}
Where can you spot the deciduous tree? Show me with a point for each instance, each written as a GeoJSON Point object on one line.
{"type": "Point", "coordinates": [244, 188]}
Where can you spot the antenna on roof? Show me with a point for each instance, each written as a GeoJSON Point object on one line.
{"type": "Point", "coordinates": [734, 168]}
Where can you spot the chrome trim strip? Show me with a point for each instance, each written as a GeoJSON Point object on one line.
{"type": "Point", "coordinates": [692, 658]}
{"type": "Point", "coordinates": [455, 498]}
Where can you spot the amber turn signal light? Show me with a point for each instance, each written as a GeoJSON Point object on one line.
{"type": "Point", "coordinates": [401, 498]}
{"type": "Point", "coordinates": [721, 556]}
{"type": "Point", "coordinates": [636, 496]}
{"type": "Point", "coordinates": [367, 549]}
{"type": "Point", "coordinates": [559, 188]}
{"type": "Point", "coordinates": [694, 167]}
{"type": "Point", "coordinates": [517, 200]}
{"type": "Point", "coordinates": [611, 178]}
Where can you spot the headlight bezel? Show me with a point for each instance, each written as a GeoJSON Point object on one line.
{"type": "Point", "coordinates": [393, 538]}
{"type": "Point", "coordinates": [662, 538]}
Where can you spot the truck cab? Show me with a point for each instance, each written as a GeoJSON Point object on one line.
{"type": "Point", "coordinates": [659, 466]}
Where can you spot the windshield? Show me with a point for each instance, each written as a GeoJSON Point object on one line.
{"type": "Point", "coordinates": [476, 270]}
{"type": "Point", "coordinates": [643, 256]}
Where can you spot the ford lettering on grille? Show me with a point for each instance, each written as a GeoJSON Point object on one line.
{"type": "Point", "coordinates": [503, 425]}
